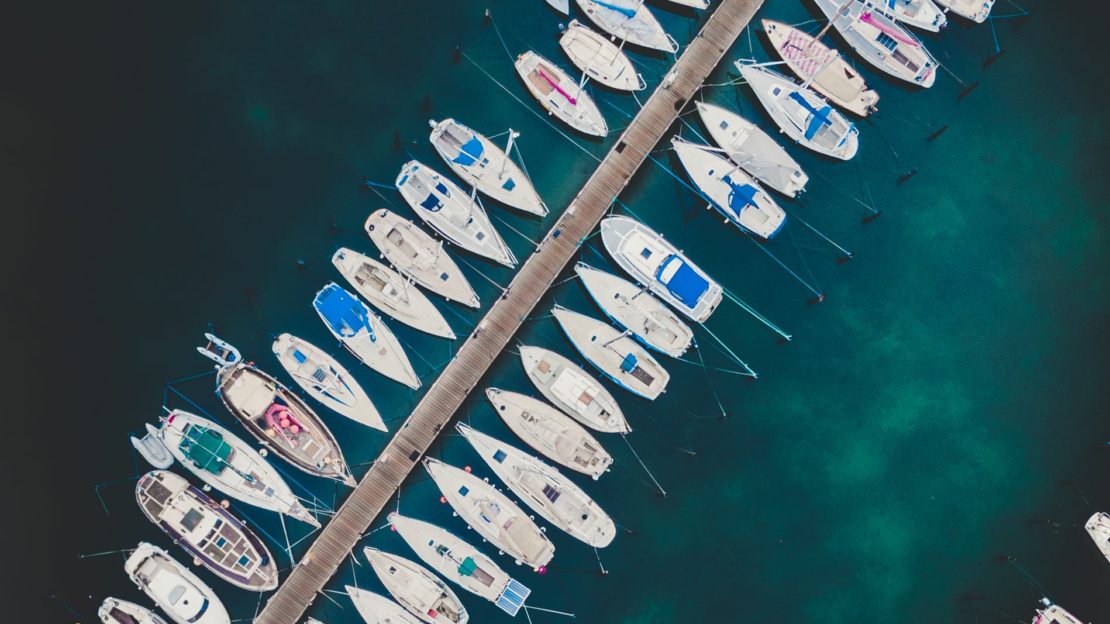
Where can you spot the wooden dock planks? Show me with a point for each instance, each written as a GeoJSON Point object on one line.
{"type": "Point", "coordinates": [336, 541]}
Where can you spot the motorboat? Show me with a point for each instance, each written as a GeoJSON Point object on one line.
{"type": "Point", "coordinates": [116, 611]}
{"type": "Point", "coordinates": [177, 591]}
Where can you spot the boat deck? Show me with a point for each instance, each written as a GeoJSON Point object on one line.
{"type": "Point", "coordinates": [334, 544]}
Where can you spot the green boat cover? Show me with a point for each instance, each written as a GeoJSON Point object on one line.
{"type": "Point", "coordinates": [467, 567]}
{"type": "Point", "coordinates": [205, 448]}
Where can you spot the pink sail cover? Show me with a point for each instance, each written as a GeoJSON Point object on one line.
{"type": "Point", "coordinates": [893, 32]}
{"type": "Point", "coordinates": [557, 87]}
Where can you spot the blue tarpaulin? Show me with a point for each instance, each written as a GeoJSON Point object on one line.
{"type": "Point", "coordinates": [345, 315]}
{"type": "Point", "coordinates": [741, 196]}
{"type": "Point", "coordinates": [627, 12]}
{"type": "Point", "coordinates": [470, 152]}
{"type": "Point", "coordinates": [431, 202]}
{"type": "Point", "coordinates": [819, 117]}
{"type": "Point", "coordinates": [686, 283]}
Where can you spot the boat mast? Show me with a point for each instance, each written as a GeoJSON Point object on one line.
{"type": "Point", "coordinates": [508, 150]}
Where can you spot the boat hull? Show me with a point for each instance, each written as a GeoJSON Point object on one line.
{"type": "Point", "coordinates": [881, 41]}
{"type": "Point", "coordinates": [389, 292]}
{"type": "Point", "coordinates": [573, 391]}
{"type": "Point", "coordinates": [599, 58]}
{"type": "Point", "coordinates": [364, 334]}
{"type": "Point", "coordinates": [326, 380]}
{"type": "Point", "coordinates": [416, 589]}
{"type": "Point", "coordinates": [638, 311]}
{"type": "Point", "coordinates": [629, 20]}
{"type": "Point", "coordinates": [560, 94]}
{"type": "Point", "coordinates": [477, 160]}
{"type": "Point", "coordinates": [174, 589]}
{"type": "Point", "coordinates": [614, 354]}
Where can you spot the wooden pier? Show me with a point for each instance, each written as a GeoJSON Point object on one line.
{"type": "Point", "coordinates": [335, 543]}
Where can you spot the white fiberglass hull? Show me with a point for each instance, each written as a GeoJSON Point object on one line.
{"type": "Point", "coordinates": [419, 257]}
{"type": "Point", "coordinates": [975, 10]}
{"type": "Point", "coordinates": [177, 591]}
{"type": "Point", "coordinates": [753, 150]}
{"type": "Point", "coordinates": [389, 292]}
{"type": "Point", "coordinates": [377, 609]}
{"type": "Point", "coordinates": [629, 20]}
{"type": "Point", "coordinates": [560, 94]}
{"type": "Point", "coordinates": [881, 41]}
{"type": "Point", "coordinates": [372, 342]}
{"type": "Point", "coordinates": [417, 589]}
{"type": "Point", "coordinates": [599, 58]}
{"type": "Point", "coordinates": [326, 380]}
{"type": "Point", "coordinates": [637, 310]}
{"type": "Point", "coordinates": [573, 390]}
{"type": "Point", "coordinates": [116, 611]}
{"type": "Point", "coordinates": [823, 67]}
{"type": "Point", "coordinates": [615, 354]}
{"type": "Point", "coordinates": [1098, 527]}
{"type": "Point", "coordinates": [923, 14]}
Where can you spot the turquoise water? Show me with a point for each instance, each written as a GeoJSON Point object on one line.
{"type": "Point", "coordinates": [943, 408]}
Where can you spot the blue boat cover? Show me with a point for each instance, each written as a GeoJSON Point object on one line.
{"type": "Point", "coordinates": [470, 152]}
{"type": "Point", "coordinates": [686, 283]}
{"type": "Point", "coordinates": [345, 315]}
{"type": "Point", "coordinates": [742, 195]}
{"type": "Point", "coordinates": [431, 202]}
{"type": "Point", "coordinates": [300, 357]}
{"type": "Point", "coordinates": [627, 12]}
{"type": "Point", "coordinates": [628, 364]}
{"type": "Point", "coordinates": [819, 117]}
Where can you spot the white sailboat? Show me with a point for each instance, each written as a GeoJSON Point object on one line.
{"type": "Point", "coordinates": [923, 14]}
{"type": "Point", "coordinates": [730, 190]}
{"type": "Point", "coordinates": [551, 432]}
{"type": "Point", "coordinates": [614, 353]}
{"type": "Point", "coordinates": [747, 145]}
{"type": "Point", "coordinates": [455, 214]}
{"type": "Point", "coordinates": [1098, 527]}
{"type": "Point", "coordinates": [364, 334]}
{"type": "Point", "coordinates": [485, 166]}
{"type": "Point", "coordinates": [389, 292]}
{"type": "Point", "coordinates": [554, 497]}
{"type": "Point", "coordinates": [637, 310]}
{"type": "Point", "coordinates": [975, 10]}
{"type": "Point", "coordinates": [881, 41]}
{"type": "Point", "coordinates": [326, 380]}
{"type": "Point", "coordinates": [1054, 614]}
{"type": "Point", "coordinates": [377, 609]}
{"type": "Point", "coordinates": [177, 591]}
{"type": "Point", "coordinates": [561, 95]}
{"type": "Point", "coordinates": [573, 390]}
{"type": "Point", "coordinates": [491, 513]}
{"type": "Point", "coordinates": [661, 267]}
{"type": "Point", "coordinates": [461, 563]}
{"type": "Point", "coordinates": [116, 611]}
{"type": "Point", "coordinates": [801, 114]}
{"type": "Point", "coordinates": [822, 68]}
{"type": "Point", "coordinates": [600, 59]}
{"type": "Point", "coordinates": [631, 21]}
{"type": "Point", "coordinates": [417, 589]}
{"type": "Point", "coordinates": [227, 463]}
{"type": "Point", "coordinates": [419, 257]}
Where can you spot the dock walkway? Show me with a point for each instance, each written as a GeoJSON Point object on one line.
{"type": "Point", "coordinates": [334, 544]}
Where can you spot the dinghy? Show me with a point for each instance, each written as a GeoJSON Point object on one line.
{"type": "Point", "coordinates": [550, 432]}
{"type": "Point", "coordinates": [636, 310]}
{"type": "Point", "coordinates": [491, 513]}
{"type": "Point", "coordinates": [386, 290]}
{"type": "Point", "coordinates": [227, 463]}
{"type": "Point", "coordinates": [631, 21]}
{"type": "Point", "coordinates": [325, 380]}
{"type": "Point", "coordinates": [975, 10]}
{"type": "Point", "coordinates": [554, 497]}
{"type": "Point", "coordinates": [1098, 527]}
{"type": "Point", "coordinates": [419, 257]}
{"type": "Point", "coordinates": [561, 95]}
{"type": "Point", "coordinates": [573, 390]}
{"type": "Point", "coordinates": [733, 193]}
{"type": "Point", "coordinates": [923, 14]}
{"type": "Point", "coordinates": [455, 214]}
{"type": "Point", "coordinates": [377, 609]}
{"type": "Point", "coordinates": [753, 149]}
{"type": "Point", "coordinates": [116, 611]}
{"type": "Point", "coordinates": [485, 166]}
{"type": "Point", "coordinates": [211, 534]}
{"type": "Point", "coordinates": [1055, 614]}
{"type": "Point", "coordinates": [822, 68]}
{"type": "Point", "coordinates": [276, 417]}
{"type": "Point", "coordinates": [417, 589]}
{"type": "Point", "coordinates": [802, 114]}
{"type": "Point", "coordinates": [660, 267]}
{"type": "Point", "coordinates": [881, 41]}
{"type": "Point", "coordinates": [461, 563]}
{"type": "Point", "coordinates": [614, 353]}
{"type": "Point", "coordinates": [600, 59]}
{"type": "Point", "coordinates": [152, 450]}
{"type": "Point", "coordinates": [364, 334]}
{"type": "Point", "coordinates": [177, 591]}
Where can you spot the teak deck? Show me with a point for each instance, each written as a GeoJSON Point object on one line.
{"type": "Point", "coordinates": [288, 604]}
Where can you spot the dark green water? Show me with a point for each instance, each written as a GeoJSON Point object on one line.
{"type": "Point", "coordinates": [943, 407]}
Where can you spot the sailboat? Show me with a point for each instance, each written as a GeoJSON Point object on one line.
{"type": "Point", "coordinates": [923, 14]}
{"type": "Point", "coordinates": [554, 497]}
{"type": "Point", "coordinates": [211, 534]}
{"type": "Point", "coordinates": [461, 563]}
{"type": "Point", "coordinates": [561, 95]}
{"type": "Point", "coordinates": [417, 256]}
{"type": "Point", "coordinates": [660, 267]}
{"type": "Point", "coordinates": [551, 432]}
{"type": "Point", "coordinates": [637, 310]}
{"type": "Point", "coordinates": [276, 417]}
{"type": "Point", "coordinates": [116, 611]}
{"type": "Point", "coordinates": [1054, 614]}
{"type": "Point", "coordinates": [1098, 527]}
{"type": "Point", "coordinates": [326, 380]}
{"type": "Point", "coordinates": [227, 463]}
{"type": "Point", "coordinates": [975, 10]}
{"type": "Point", "coordinates": [389, 292]}
{"type": "Point", "coordinates": [629, 20]}
{"type": "Point", "coordinates": [881, 41]}
{"type": "Point", "coordinates": [491, 513]}
{"type": "Point", "coordinates": [614, 353]}
{"type": "Point", "coordinates": [822, 68]}
{"type": "Point", "coordinates": [177, 591]}
{"type": "Point", "coordinates": [747, 145]}
{"type": "Point", "coordinates": [417, 589]}
{"type": "Point", "coordinates": [364, 334]}
{"type": "Point", "coordinates": [730, 190]}
{"type": "Point", "coordinates": [485, 166]}
{"type": "Point", "coordinates": [600, 59]}
{"type": "Point", "coordinates": [802, 114]}
{"type": "Point", "coordinates": [456, 215]}
{"type": "Point", "coordinates": [573, 390]}
{"type": "Point", "coordinates": [377, 609]}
